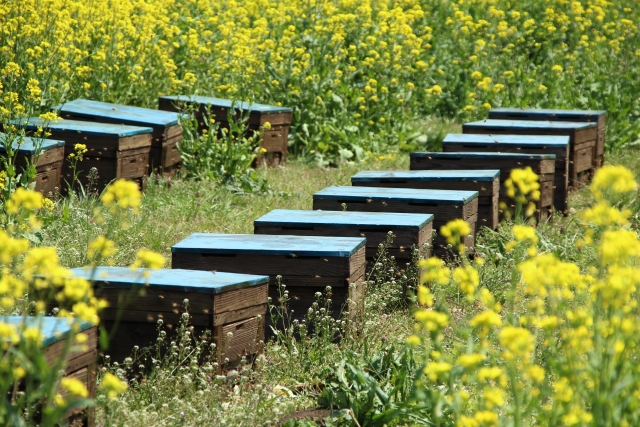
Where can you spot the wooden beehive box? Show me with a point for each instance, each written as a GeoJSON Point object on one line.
{"type": "Point", "coordinates": [485, 182]}
{"type": "Point", "coordinates": [307, 264]}
{"type": "Point", "coordinates": [541, 164]}
{"type": "Point", "coordinates": [80, 359]}
{"type": "Point", "coordinates": [409, 229]}
{"type": "Point", "coordinates": [444, 205]}
{"type": "Point", "coordinates": [526, 144]}
{"type": "Point", "coordinates": [275, 140]}
{"type": "Point", "coordinates": [220, 302]}
{"type": "Point", "coordinates": [166, 136]}
{"type": "Point", "coordinates": [582, 140]}
{"type": "Point", "coordinates": [48, 165]}
{"type": "Point", "coordinates": [116, 151]}
{"type": "Point", "coordinates": [553, 115]}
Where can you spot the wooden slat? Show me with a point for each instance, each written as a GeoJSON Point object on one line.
{"type": "Point", "coordinates": [240, 298]}
{"type": "Point", "coordinates": [271, 265]}
{"type": "Point", "coordinates": [158, 300]}
{"type": "Point", "coordinates": [239, 314]}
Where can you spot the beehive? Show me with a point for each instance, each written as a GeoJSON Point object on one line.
{"type": "Point", "coordinates": [220, 302]}
{"type": "Point", "coordinates": [582, 140]}
{"type": "Point", "coordinates": [485, 182]}
{"type": "Point", "coordinates": [444, 205]}
{"type": "Point", "coordinates": [79, 361]}
{"type": "Point", "coordinates": [307, 264]}
{"type": "Point", "coordinates": [523, 144]}
{"type": "Point", "coordinates": [166, 136]}
{"type": "Point", "coordinates": [591, 116]}
{"type": "Point", "coordinates": [275, 138]}
{"type": "Point", "coordinates": [410, 230]}
{"type": "Point", "coordinates": [541, 164]}
{"type": "Point", "coordinates": [48, 163]}
{"type": "Point", "coordinates": [116, 151]}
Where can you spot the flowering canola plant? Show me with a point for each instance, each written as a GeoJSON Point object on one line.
{"type": "Point", "coordinates": [32, 281]}
{"type": "Point", "coordinates": [562, 351]}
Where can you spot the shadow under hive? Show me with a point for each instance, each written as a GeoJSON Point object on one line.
{"type": "Point", "coordinates": [275, 140]}
{"type": "Point", "coordinates": [48, 164]}
{"type": "Point", "coordinates": [409, 229]}
{"type": "Point", "coordinates": [219, 302]}
{"type": "Point", "coordinates": [485, 182]}
{"type": "Point", "coordinates": [166, 136]}
{"type": "Point", "coordinates": [79, 361]}
{"type": "Point", "coordinates": [444, 205]}
{"type": "Point", "coordinates": [582, 140]}
{"type": "Point", "coordinates": [116, 151]}
{"type": "Point", "coordinates": [522, 144]}
{"type": "Point", "coordinates": [592, 116]}
{"type": "Point", "coordinates": [541, 164]}
{"type": "Point", "coordinates": [307, 264]}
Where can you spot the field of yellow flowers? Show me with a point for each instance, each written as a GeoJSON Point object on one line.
{"type": "Point", "coordinates": [358, 73]}
{"type": "Point", "coordinates": [539, 330]}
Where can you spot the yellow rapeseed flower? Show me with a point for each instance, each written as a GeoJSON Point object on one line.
{"type": "Point", "coordinates": [113, 385]}
{"type": "Point", "coordinates": [123, 194]}
{"type": "Point", "coordinates": [26, 199]}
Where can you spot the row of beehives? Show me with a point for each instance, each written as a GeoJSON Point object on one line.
{"type": "Point", "coordinates": [133, 142]}
{"type": "Point", "coordinates": [228, 278]}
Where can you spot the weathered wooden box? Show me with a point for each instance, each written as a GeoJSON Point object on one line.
{"type": "Point", "coordinates": [220, 302]}
{"type": "Point", "coordinates": [409, 229]}
{"type": "Point", "coordinates": [307, 264]}
{"type": "Point", "coordinates": [582, 140]}
{"type": "Point", "coordinates": [80, 359]}
{"type": "Point", "coordinates": [485, 182]}
{"type": "Point", "coordinates": [166, 136]}
{"type": "Point", "coordinates": [49, 163]}
{"type": "Point", "coordinates": [524, 144]}
{"type": "Point", "coordinates": [444, 205]}
{"type": "Point", "coordinates": [542, 164]}
{"type": "Point", "coordinates": [275, 139]}
{"type": "Point", "coordinates": [553, 115]}
{"type": "Point", "coordinates": [116, 151]}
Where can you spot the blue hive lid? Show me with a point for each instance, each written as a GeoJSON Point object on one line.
{"type": "Point", "coordinates": [176, 280]}
{"type": "Point", "coordinates": [529, 124]}
{"type": "Point", "coordinates": [482, 155]}
{"type": "Point", "coordinates": [528, 140]}
{"type": "Point", "coordinates": [28, 145]}
{"type": "Point", "coordinates": [53, 329]}
{"type": "Point", "coordinates": [549, 112]}
{"type": "Point", "coordinates": [411, 195]}
{"type": "Point", "coordinates": [136, 116]}
{"type": "Point", "coordinates": [227, 103]}
{"type": "Point", "coordinates": [371, 220]}
{"type": "Point", "coordinates": [86, 128]}
{"type": "Point", "coordinates": [481, 175]}
{"type": "Point", "coordinates": [259, 244]}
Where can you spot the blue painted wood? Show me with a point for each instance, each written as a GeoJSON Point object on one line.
{"type": "Point", "coordinates": [27, 146]}
{"type": "Point", "coordinates": [371, 220]}
{"type": "Point", "coordinates": [262, 244]}
{"type": "Point", "coordinates": [174, 280]}
{"type": "Point", "coordinates": [481, 156]}
{"type": "Point", "coordinates": [53, 329]}
{"type": "Point", "coordinates": [558, 141]}
{"type": "Point", "coordinates": [481, 175]}
{"type": "Point", "coordinates": [88, 128]}
{"type": "Point", "coordinates": [227, 103]}
{"type": "Point", "coordinates": [529, 124]}
{"type": "Point", "coordinates": [135, 116]}
{"type": "Point", "coordinates": [410, 195]}
{"type": "Point", "coordinates": [550, 112]}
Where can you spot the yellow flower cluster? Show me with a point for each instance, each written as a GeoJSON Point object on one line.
{"type": "Point", "coordinates": [565, 337]}
{"type": "Point", "coordinates": [122, 194]}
